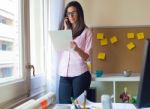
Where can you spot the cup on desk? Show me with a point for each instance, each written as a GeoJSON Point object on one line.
{"type": "Point", "coordinates": [106, 102]}
{"type": "Point", "coordinates": [98, 73]}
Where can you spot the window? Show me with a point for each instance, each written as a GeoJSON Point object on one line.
{"type": "Point", "coordinates": [6, 46]}
{"type": "Point", "coordinates": [14, 37]}
{"type": "Point", "coordinates": [6, 72]}
{"type": "Point", "coordinates": [36, 36]}
{"type": "Point", "coordinates": [2, 20]}
{"type": "Point", "coordinates": [10, 51]}
{"type": "Point", "coordinates": [21, 44]}
{"type": "Point", "coordinates": [37, 46]}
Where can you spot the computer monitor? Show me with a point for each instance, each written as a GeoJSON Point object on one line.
{"type": "Point", "coordinates": [143, 98]}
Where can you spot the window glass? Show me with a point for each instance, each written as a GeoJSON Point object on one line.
{"type": "Point", "coordinates": [10, 41]}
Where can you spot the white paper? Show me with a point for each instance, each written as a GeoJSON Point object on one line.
{"type": "Point", "coordinates": [61, 39]}
{"type": "Point", "coordinates": [89, 104]}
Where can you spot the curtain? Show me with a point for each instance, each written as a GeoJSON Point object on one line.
{"type": "Point", "coordinates": [55, 12]}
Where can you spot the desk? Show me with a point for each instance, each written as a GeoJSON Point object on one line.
{"type": "Point", "coordinates": [115, 106]}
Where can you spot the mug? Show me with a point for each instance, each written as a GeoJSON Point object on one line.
{"type": "Point", "coordinates": [99, 73]}
{"type": "Point", "coordinates": [106, 102]}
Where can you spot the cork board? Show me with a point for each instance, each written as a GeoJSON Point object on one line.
{"type": "Point", "coordinates": [118, 56]}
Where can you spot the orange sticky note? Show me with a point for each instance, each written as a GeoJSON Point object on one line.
{"type": "Point", "coordinates": [140, 35]}
{"type": "Point", "coordinates": [113, 39]}
{"type": "Point", "coordinates": [104, 42]}
{"type": "Point", "coordinates": [130, 35]}
{"type": "Point", "coordinates": [100, 35]}
{"type": "Point", "coordinates": [44, 104]}
{"type": "Point", "coordinates": [130, 45]}
{"type": "Point", "coordinates": [101, 56]}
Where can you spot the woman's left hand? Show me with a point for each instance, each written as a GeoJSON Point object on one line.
{"type": "Point", "coordinates": [73, 45]}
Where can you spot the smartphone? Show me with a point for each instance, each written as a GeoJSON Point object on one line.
{"type": "Point", "coordinates": [67, 22]}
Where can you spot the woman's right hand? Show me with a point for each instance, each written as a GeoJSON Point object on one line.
{"type": "Point", "coordinates": [66, 23]}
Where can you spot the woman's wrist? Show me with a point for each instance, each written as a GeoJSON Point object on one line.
{"type": "Point", "coordinates": [76, 48]}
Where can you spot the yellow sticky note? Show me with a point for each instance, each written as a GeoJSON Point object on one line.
{"type": "Point", "coordinates": [100, 35]}
{"type": "Point", "coordinates": [101, 56]}
{"type": "Point", "coordinates": [130, 35]}
{"type": "Point", "coordinates": [113, 39]}
{"type": "Point", "coordinates": [130, 45]}
{"type": "Point", "coordinates": [89, 65]}
{"type": "Point", "coordinates": [104, 42]}
{"type": "Point", "coordinates": [140, 35]}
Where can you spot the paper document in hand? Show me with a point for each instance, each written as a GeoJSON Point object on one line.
{"type": "Point", "coordinates": [61, 39]}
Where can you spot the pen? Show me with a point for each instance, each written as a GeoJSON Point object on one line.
{"type": "Point", "coordinates": [78, 104]}
{"type": "Point", "coordinates": [72, 100]}
{"type": "Point", "coordinates": [84, 103]}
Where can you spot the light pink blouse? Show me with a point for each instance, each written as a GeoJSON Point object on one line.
{"type": "Point", "coordinates": [71, 64]}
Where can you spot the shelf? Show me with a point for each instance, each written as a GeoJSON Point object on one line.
{"type": "Point", "coordinates": [115, 78]}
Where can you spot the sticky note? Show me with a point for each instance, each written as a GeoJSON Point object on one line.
{"type": "Point", "coordinates": [101, 56]}
{"type": "Point", "coordinates": [130, 45]}
{"type": "Point", "coordinates": [130, 35]}
{"type": "Point", "coordinates": [104, 42]}
{"type": "Point", "coordinates": [113, 39]}
{"type": "Point", "coordinates": [140, 35]}
{"type": "Point", "coordinates": [89, 65]}
{"type": "Point", "coordinates": [100, 35]}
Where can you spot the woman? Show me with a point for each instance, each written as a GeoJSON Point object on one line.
{"type": "Point", "coordinates": [73, 70]}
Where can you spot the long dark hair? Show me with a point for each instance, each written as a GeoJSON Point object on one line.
{"type": "Point", "coordinates": [80, 22]}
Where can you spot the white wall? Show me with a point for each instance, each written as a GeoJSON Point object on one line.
{"type": "Point", "coordinates": [116, 12]}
